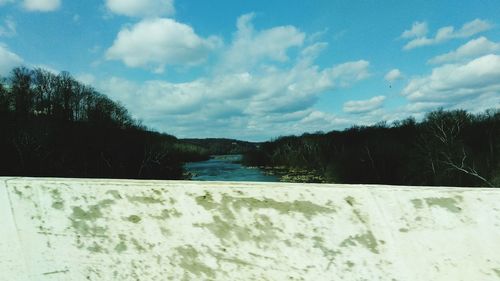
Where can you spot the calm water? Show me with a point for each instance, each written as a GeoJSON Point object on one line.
{"type": "Point", "coordinates": [226, 168]}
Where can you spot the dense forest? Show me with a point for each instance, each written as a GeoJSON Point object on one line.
{"type": "Point", "coordinates": [52, 125]}
{"type": "Point", "coordinates": [447, 148]}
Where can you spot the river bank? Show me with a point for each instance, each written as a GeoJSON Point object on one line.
{"type": "Point", "coordinates": [297, 175]}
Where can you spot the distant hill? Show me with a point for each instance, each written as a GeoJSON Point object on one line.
{"type": "Point", "coordinates": [221, 146]}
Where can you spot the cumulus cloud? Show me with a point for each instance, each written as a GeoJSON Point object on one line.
{"type": "Point", "coordinates": [418, 33]}
{"type": "Point", "coordinates": [472, 49]}
{"type": "Point", "coordinates": [250, 46]}
{"type": "Point", "coordinates": [363, 106]}
{"type": "Point", "coordinates": [8, 60]}
{"type": "Point", "coordinates": [141, 8]}
{"type": "Point", "coordinates": [160, 42]}
{"type": "Point", "coordinates": [41, 5]}
{"type": "Point", "coordinates": [393, 75]}
{"type": "Point", "coordinates": [418, 29]}
{"type": "Point", "coordinates": [8, 28]}
{"type": "Point", "coordinates": [257, 89]}
{"type": "Point", "coordinates": [464, 85]}
{"type": "Point", "coordinates": [263, 104]}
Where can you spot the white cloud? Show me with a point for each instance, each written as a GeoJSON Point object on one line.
{"type": "Point", "coordinates": [250, 47]}
{"type": "Point", "coordinates": [8, 29]}
{"type": "Point", "coordinates": [364, 106]}
{"type": "Point", "coordinates": [8, 60]}
{"type": "Point", "coordinates": [141, 8]}
{"type": "Point", "coordinates": [86, 78]}
{"type": "Point", "coordinates": [256, 92]}
{"type": "Point", "coordinates": [160, 42]}
{"type": "Point", "coordinates": [443, 34]}
{"type": "Point", "coordinates": [393, 75]}
{"type": "Point", "coordinates": [41, 5]}
{"type": "Point", "coordinates": [418, 29]}
{"type": "Point", "coordinates": [472, 49]}
{"type": "Point", "coordinates": [463, 84]}
{"type": "Point", "coordinates": [261, 104]}
{"type": "Point", "coordinates": [348, 72]}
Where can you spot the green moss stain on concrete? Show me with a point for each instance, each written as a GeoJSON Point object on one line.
{"type": "Point", "coordinates": [206, 201]}
{"type": "Point", "coordinates": [357, 213]}
{"type": "Point", "coordinates": [96, 248]}
{"type": "Point", "coordinates": [92, 214]}
{"type": "Point", "coordinates": [300, 235]}
{"type": "Point", "coordinates": [84, 221]}
{"type": "Point", "coordinates": [145, 200]}
{"type": "Point", "coordinates": [350, 200]}
{"type": "Point", "coordinates": [133, 218]}
{"type": "Point", "coordinates": [225, 230]}
{"type": "Point", "coordinates": [366, 240]}
{"type": "Point", "coordinates": [114, 193]}
{"type": "Point", "coordinates": [497, 272]}
{"type": "Point", "coordinates": [190, 262]}
{"type": "Point", "coordinates": [167, 214]}
{"type": "Point", "coordinates": [404, 230]}
{"type": "Point", "coordinates": [261, 230]}
{"type": "Point", "coordinates": [121, 247]}
{"type": "Point", "coordinates": [327, 253]}
{"type": "Point", "coordinates": [57, 201]}
{"type": "Point", "coordinates": [165, 232]}
{"type": "Point", "coordinates": [221, 257]}
{"type": "Point", "coordinates": [417, 203]}
{"type": "Point", "coordinates": [449, 204]}
{"type": "Point", "coordinates": [229, 203]}
{"type": "Point", "coordinates": [305, 208]}
{"type": "Point", "coordinates": [137, 245]}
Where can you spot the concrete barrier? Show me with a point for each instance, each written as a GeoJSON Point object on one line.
{"type": "Point", "coordinates": [80, 229]}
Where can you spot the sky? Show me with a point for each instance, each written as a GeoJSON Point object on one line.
{"type": "Point", "coordinates": [256, 70]}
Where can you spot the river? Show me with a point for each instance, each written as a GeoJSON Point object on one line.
{"type": "Point", "coordinates": [226, 168]}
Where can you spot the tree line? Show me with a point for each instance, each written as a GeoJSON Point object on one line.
{"type": "Point", "coordinates": [53, 125]}
{"type": "Point", "coordinates": [446, 148]}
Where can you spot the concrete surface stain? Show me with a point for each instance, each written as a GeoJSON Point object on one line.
{"type": "Point", "coordinates": [114, 193]}
{"type": "Point", "coordinates": [366, 240]}
{"type": "Point", "coordinates": [133, 219]}
{"type": "Point", "coordinates": [224, 230]}
{"type": "Point", "coordinates": [327, 253]}
{"type": "Point", "coordinates": [167, 214]}
{"type": "Point", "coordinates": [223, 258]}
{"type": "Point", "coordinates": [137, 245]}
{"type": "Point", "coordinates": [57, 201]}
{"type": "Point", "coordinates": [357, 213]}
{"type": "Point", "coordinates": [305, 208]}
{"type": "Point", "coordinates": [450, 204]}
{"type": "Point", "coordinates": [417, 203]}
{"type": "Point", "coordinates": [497, 272]}
{"type": "Point", "coordinates": [191, 263]}
{"type": "Point", "coordinates": [96, 248]}
{"type": "Point", "coordinates": [145, 200]}
{"type": "Point", "coordinates": [121, 247]}
{"type": "Point", "coordinates": [84, 222]}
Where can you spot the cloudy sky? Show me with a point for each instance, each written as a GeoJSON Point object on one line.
{"type": "Point", "coordinates": [259, 69]}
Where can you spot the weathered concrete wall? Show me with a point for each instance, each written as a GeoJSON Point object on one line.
{"type": "Point", "coordinates": [63, 229]}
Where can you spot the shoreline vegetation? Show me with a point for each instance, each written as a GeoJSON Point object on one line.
{"type": "Point", "coordinates": [52, 125]}
{"type": "Point", "coordinates": [446, 148]}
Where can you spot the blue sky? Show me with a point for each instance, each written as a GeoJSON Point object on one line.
{"type": "Point", "coordinates": [256, 70]}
